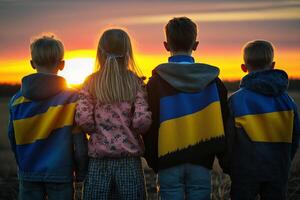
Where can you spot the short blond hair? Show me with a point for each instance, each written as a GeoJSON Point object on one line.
{"type": "Point", "coordinates": [258, 54]}
{"type": "Point", "coordinates": [47, 51]}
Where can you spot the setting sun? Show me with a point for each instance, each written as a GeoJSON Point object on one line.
{"type": "Point", "coordinates": [77, 69]}
{"type": "Point", "coordinates": [78, 65]}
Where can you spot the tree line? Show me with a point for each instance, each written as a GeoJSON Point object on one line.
{"type": "Point", "coordinates": [8, 90]}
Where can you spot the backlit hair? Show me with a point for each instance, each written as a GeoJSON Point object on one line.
{"type": "Point", "coordinates": [117, 78]}
{"type": "Point", "coordinates": [258, 54]}
{"type": "Point", "coordinates": [181, 34]}
{"type": "Point", "coordinates": [46, 51]}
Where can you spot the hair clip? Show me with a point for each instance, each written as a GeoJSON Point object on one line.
{"type": "Point", "coordinates": [109, 55]}
{"type": "Point", "coordinates": [112, 55]}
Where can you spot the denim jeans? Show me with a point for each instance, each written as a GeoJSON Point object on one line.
{"type": "Point", "coordinates": [186, 181]}
{"type": "Point", "coordinates": [40, 190]}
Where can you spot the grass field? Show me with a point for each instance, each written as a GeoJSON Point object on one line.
{"type": "Point", "coordinates": [8, 170]}
{"type": "Point", "coordinates": [7, 167]}
{"type": "Point", "coordinates": [220, 182]}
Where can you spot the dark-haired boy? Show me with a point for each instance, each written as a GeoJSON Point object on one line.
{"type": "Point", "coordinates": [41, 128]}
{"type": "Point", "coordinates": [189, 107]}
{"type": "Point", "coordinates": [267, 127]}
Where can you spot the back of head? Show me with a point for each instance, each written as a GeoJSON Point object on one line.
{"type": "Point", "coordinates": [181, 34]}
{"type": "Point", "coordinates": [258, 54]}
{"type": "Point", "coordinates": [46, 51]}
{"type": "Point", "coordinates": [117, 78]}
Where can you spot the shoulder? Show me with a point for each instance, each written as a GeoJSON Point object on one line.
{"type": "Point", "coordinates": [88, 84]}
{"type": "Point", "coordinates": [242, 97]}
{"type": "Point", "coordinates": [291, 100]}
{"type": "Point", "coordinates": [154, 80]}
{"type": "Point", "coordinates": [219, 81]}
{"type": "Point", "coordinates": [90, 78]}
{"type": "Point", "coordinates": [220, 84]}
{"type": "Point", "coordinates": [14, 98]}
{"type": "Point", "coordinates": [71, 91]}
{"type": "Point", "coordinates": [238, 94]}
{"type": "Point", "coordinates": [222, 90]}
{"type": "Point", "coordinates": [67, 95]}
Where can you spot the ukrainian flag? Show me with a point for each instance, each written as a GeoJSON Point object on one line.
{"type": "Point", "coordinates": [187, 119]}
{"type": "Point", "coordinates": [264, 118]}
{"type": "Point", "coordinates": [39, 125]}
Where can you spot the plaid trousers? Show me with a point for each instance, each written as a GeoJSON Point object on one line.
{"type": "Point", "coordinates": [115, 178]}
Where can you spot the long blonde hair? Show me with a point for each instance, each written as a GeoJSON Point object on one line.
{"type": "Point", "coordinates": [117, 77]}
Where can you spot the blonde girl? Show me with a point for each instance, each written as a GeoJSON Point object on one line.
{"type": "Point", "coordinates": [113, 110]}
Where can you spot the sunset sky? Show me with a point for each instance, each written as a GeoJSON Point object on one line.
{"type": "Point", "coordinates": [224, 27]}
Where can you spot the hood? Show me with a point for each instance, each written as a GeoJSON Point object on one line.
{"type": "Point", "coordinates": [40, 86]}
{"type": "Point", "coordinates": [191, 77]}
{"type": "Point", "coordinates": [267, 82]}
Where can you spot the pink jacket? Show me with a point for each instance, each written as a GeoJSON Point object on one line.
{"type": "Point", "coordinates": [115, 128]}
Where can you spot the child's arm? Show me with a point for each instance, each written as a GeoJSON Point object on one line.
{"type": "Point", "coordinates": [84, 116]}
{"type": "Point", "coordinates": [11, 134]}
{"type": "Point", "coordinates": [228, 124]}
{"type": "Point", "coordinates": [151, 137]}
{"type": "Point", "coordinates": [230, 134]}
{"type": "Point", "coordinates": [296, 132]}
{"type": "Point", "coordinates": [223, 95]}
{"type": "Point", "coordinates": [80, 154]}
{"type": "Point", "coordinates": [142, 116]}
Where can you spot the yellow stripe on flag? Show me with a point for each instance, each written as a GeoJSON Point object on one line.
{"type": "Point", "coordinates": [179, 133]}
{"type": "Point", "coordinates": [268, 127]}
{"type": "Point", "coordinates": [40, 126]}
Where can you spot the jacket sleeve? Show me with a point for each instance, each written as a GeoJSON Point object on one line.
{"type": "Point", "coordinates": [11, 133]}
{"type": "Point", "coordinates": [223, 94]}
{"type": "Point", "coordinates": [229, 127]}
{"type": "Point", "coordinates": [231, 133]}
{"type": "Point", "coordinates": [80, 154]}
{"type": "Point", "coordinates": [84, 116]}
{"type": "Point", "coordinates": [151, 137]}
{"type": "Point", "coordinates": [142, 116]}
{"type": "Point", "coordinates": [296, 132]}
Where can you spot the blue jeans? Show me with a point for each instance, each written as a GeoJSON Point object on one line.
{"type": "Point", "coordinates": [39, 190]}
{"type": "Point", "coordinates": [186, 181]}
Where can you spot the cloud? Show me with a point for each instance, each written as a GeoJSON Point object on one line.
{"type": "Point", "coordinates": [257, 14]}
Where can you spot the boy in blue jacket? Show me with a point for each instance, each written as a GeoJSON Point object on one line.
{"type": "Point", "coordinates": [189, 110]}
{"type": "Point", "coordinates": [267, 128]}
{"type": "Point", "coordinates": [47, 146]}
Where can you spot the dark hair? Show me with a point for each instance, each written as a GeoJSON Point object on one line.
{"type": "Point", "coordinates": [181, 33]}
{"type": "Point", "coordinates": [258, 54]}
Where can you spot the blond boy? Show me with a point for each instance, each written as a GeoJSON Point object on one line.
{"type": "Point", "coordinates": [40, 127]}
{"type": "Point", "coordinates": [267, 127]}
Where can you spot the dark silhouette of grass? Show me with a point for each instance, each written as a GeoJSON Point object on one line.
{"type": "Point", "coordinates": [9, 188]}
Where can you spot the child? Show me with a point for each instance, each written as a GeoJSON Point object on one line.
{"type": "Point", "coordinates": [189, 107]}
{"type": "Point", "coordinates": [40, 128]}
{"type": "Point", "coordinates": [114, 111]}
{"type": "Point", "coordinates": [267, 127]}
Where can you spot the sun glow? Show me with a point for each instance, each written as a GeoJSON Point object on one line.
{"type": "Point", "coordinates": [80, 63]}
{"type": "Point", "coordinates": [77, 69]}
